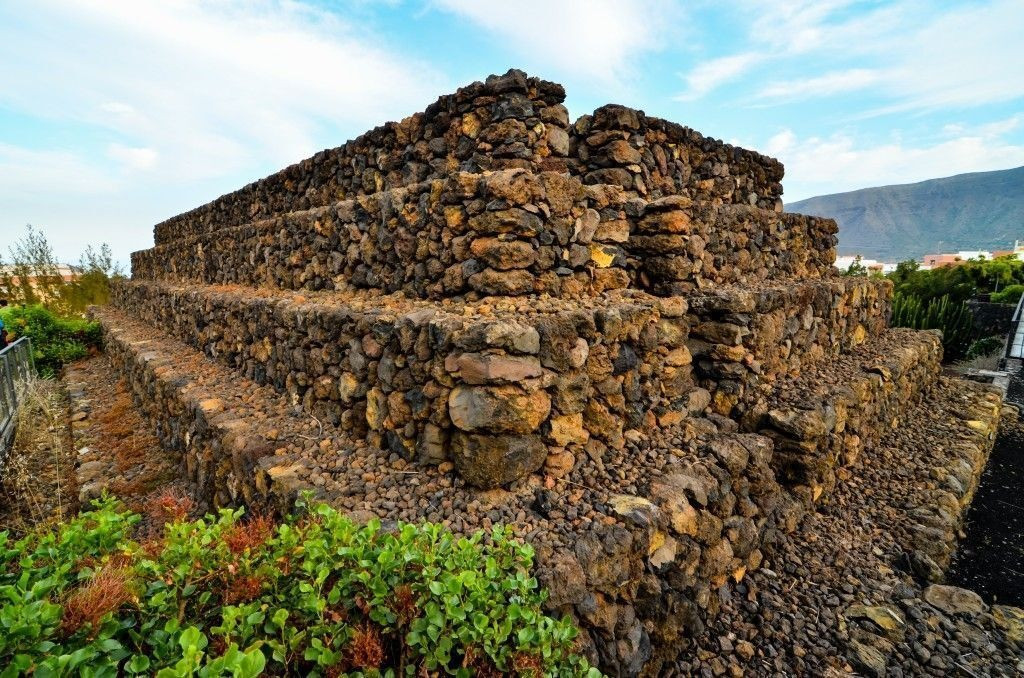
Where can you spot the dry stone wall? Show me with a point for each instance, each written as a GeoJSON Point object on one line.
{"type": "Point", "coordinates": [676, 247]}
{"type": "Point", "coordinates": [219, 452]}
{"type": "Point", "coordinates": [507, 121]}
{"type": "Point", "coordinates": [743, 339]}
{"type": "Point", "coordinates": [475, 386]}
{"type": "Point", "coordinates": [654, 158]}
{"type": "Point", "coordinates": [510, 232]}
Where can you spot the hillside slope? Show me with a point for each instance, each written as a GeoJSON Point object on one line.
{"type": "Point", "coordinates": [981, 210]}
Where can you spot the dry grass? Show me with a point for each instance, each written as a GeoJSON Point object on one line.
{"type": "Point", "coordinates": [169, 505]}
{"type": "Point", "coordinates": [242, 589]}
{"type": "Point", "coordinates": [37, 481]}
{"type": "Point", "coordinates": [106, 592]}
{"type": "Point", "coordinates": [249, 535]}
{"type": "Point", "coordinates": [117, 428]}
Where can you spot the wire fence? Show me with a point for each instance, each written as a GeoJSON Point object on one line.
{"type": "Point", "coordinates": [17, 366]}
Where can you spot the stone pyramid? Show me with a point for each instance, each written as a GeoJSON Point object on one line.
{"type": "Point", "coordinates": [606, 332]}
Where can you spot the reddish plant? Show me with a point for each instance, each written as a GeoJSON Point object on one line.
{"type": "Point", "coordinates": [242, 589]}
{"type": "Point", "coordinates": [116, 419]}
{"type": "Point", "coordinates": [106, 592]}
{"type": "Point", "coordinates": [152, 547]}
{"type": "Point", "coordinates": [527, 665]}
{"type": "Point", "coordinates": [404, 605]}
{"type": "Point", "coordinates": [481, 664]}
{"type": "Point", "coordinates": [366, 650]}
{"type": "Point", "coordinates": [170, 506]}
{"type": "Point", "coordinates": [249, 535]}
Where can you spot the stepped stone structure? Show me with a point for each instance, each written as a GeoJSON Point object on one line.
{"type": "Point", "coordinates": [606, 332]}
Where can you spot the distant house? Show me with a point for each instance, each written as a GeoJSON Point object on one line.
{"type": "Point", "coordinates": [954, 259]}
{"type": "Point", "coordinates": [65, 272]}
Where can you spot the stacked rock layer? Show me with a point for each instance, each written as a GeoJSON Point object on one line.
{"type": "Point", "coordinates": [605, 332]}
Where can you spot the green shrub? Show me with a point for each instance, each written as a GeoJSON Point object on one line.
{"type": "Point", "coordinates": [314, 595]}
{"type": "Point", "coordinates": [953, 318]}
{"type": "Point", "coordinates": [1007, 295]}
{"type": "Point", "coordinates": [960, 282]}
{"type": "Point", "coordinates": [56, 341]}
{"type": "Point", "coordinates": [984, 347]}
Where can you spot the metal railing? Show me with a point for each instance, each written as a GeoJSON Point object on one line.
{"type": "Point", "coordinates": [17, 366]}
{"type": "Point", "coordinates": [1015, 338]}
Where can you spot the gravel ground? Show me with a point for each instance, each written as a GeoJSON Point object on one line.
{"type": "Point", "coordinates": [116, 449]}
{"type": "Point", "coordinates": [799, 616]}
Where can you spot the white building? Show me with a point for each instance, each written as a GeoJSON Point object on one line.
{"type": "Point", "coordinates": [843, 263]}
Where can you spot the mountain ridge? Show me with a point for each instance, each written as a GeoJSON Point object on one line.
{"type": "Point", "coordinates": [975, 210]}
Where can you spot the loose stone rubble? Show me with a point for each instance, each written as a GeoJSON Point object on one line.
{"type": "Point", "coordinates": [605, 333]}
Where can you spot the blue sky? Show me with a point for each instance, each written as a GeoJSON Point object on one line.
{"type": "Point", "coordinates": [117, 115]}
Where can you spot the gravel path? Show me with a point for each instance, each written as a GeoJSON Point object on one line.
{"type": "Point", "coordinates": [116, 449]}
{"type": "Point", "coordinates": [991, 559]}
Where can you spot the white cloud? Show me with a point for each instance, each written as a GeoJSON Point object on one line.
{"type": "Point", "coordinates": [117, 108]}
{"type": "Point", "coordinates": [209, 87]}
{"type": "Point", "coordinates": [834, 82]}
{"type": "Point", "coordinates": [822, 165]}
{"type": "Point", "coordinates": [30, 175]}
{"type": "Point", "coordinates": [594, 39]}
{"type": "Point", "coordinates": [133, 158]}
{"type": "Point", "coordinates": [968, 56]}
{"type": "Point", "coordinates": [987, 130]}
{"type": "Point", "coordinates": [910, 53]}
{"type": "Point", "coordinates": [795, 27]}
{"type": "Point", "coordinates": [178, 102]}
{"type": "Point", "coordinates": [716, 72]}
{"type": "Point", "coordinates": [1000, 127]}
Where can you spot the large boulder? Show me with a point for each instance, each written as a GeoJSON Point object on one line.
{"type": "Point", "coordinates": [498, 409]}
{"type": "Point", "coordinates": [489, 461]}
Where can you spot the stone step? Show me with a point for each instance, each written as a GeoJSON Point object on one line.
{"type": "Point", "coordinates": [632, 542]}
{"type": "Point", "coordinates": [822, 419]}
{"type": "Point", "coordinates": [951, 433]}
{"type": "Point", "coordinates": [508, 233]}
{"type": "Point", "coordinates": [853, 584]}
{"type": "Point", "coordinates": [501, 233]}
{"type": "Point", "coordinates": [745, 338]}
{"type": "Point", "coordinates": [388, 369]}
{"type": "Point", "coordinates": [461, 382]}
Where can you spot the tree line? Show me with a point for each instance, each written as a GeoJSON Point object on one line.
{"type": "Point", "coordinates": [46, 300]}
{"type": "Point", "coordinates": [937, 298]}
{"type": "Point", "coordinates": [32, 275]}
